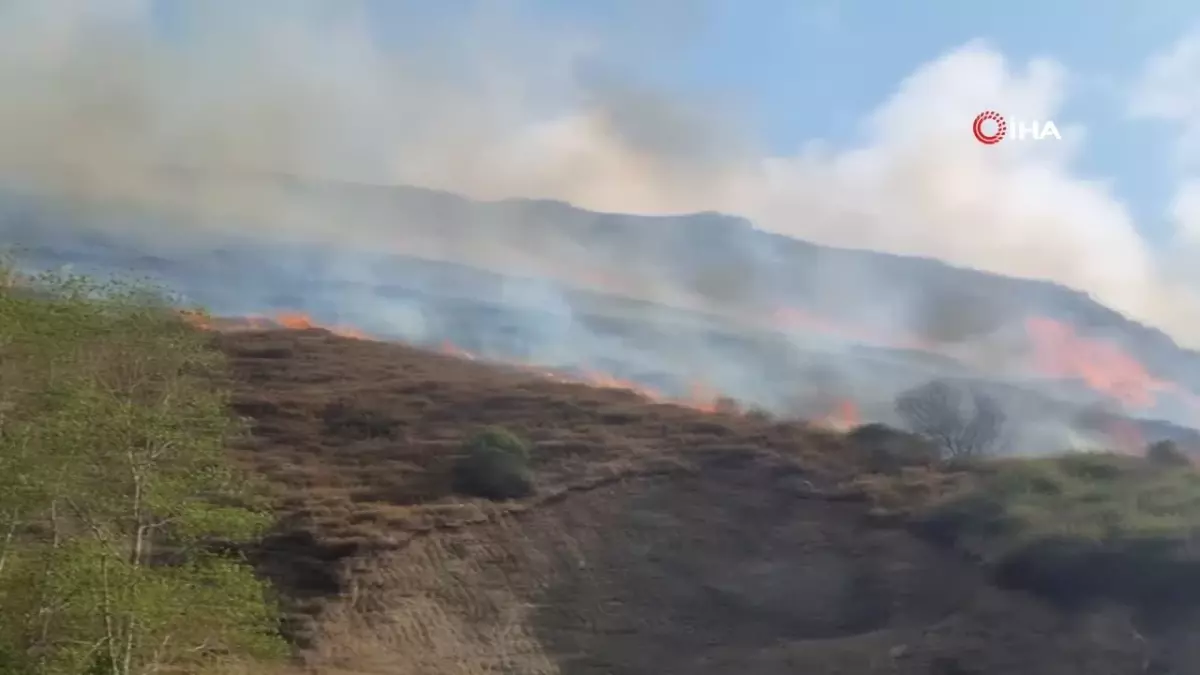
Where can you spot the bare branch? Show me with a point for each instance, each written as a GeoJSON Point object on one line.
{"type": "Point", "coordinates": [962, 422]}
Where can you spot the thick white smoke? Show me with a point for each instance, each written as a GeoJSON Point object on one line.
{"type": "Point", "coordinates": [1169, 91]}
{"type": "Point", "coordinates": [101, 95]}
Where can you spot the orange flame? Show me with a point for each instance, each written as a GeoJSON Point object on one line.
{"type": "Point", "coordinates": [450, 349]}
{"type": "Point", "coordinates": [196, 319]}
{"type": "Point", "coordinates": [603, 380]}
{"type": "Point", "coordinates": [1060, 352]}
{"type": "Point", "coordinates": [847, 415]}
{"type": "Point", "coordinates": [1057, 351]}
{"type": "Point", "coordinates": [299, 321]}
{"type": "Point", "coordinates": [289, 320]}
{"type": "Point", "coordinates": [701, 397]}
{"type": "Point", "coordinates": [294, 321]}
{"type": "Point", "coordinates": [843, 416]}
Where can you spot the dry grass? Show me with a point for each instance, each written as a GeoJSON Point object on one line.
{"type": "Point", "coordinates": [359, 440]}
{"type": "Point", "coordinates": [661, 539]}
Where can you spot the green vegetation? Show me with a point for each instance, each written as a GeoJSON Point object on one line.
{"type": "Point", "coordinates": [1078, 527]}
{"type": "Point", "coordinates": [1074, 528]}
{"type": "Point", "coordinates": [890, 451]}
{"type": "Point", "coordinates": [117, 505]}
{"type": "Point", "coordinates": [1167, 453]}
{"type": "Point", "coordinates": [495, 465]}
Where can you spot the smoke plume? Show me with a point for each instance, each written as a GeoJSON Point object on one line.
{"type": "Point", "coordinates": [101, 96]}
{"type": "Point", "coordinates": [177, 112]}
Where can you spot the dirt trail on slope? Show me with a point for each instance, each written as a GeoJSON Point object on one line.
{"type": "Point", "coordinates": [662, 540]}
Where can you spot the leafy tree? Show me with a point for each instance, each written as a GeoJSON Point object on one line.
{"type": "Point", "coordinates": [114, 486]}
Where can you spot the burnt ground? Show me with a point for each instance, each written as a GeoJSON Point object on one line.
{"type": "Point", "coordinates": [662, 539]}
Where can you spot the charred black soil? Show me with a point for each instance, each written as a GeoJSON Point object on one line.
{"type": "Point", "coordinates": [661, 539]}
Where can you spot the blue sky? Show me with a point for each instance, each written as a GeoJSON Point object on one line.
{"type": "Point", "coordinates": [845, 123]}
{"type": "Point", "coordinates": [805, 70]}
{"type": "Point", "coordinates": [813, 69]}
{"type": "Point", "coordinates": [800, 71]}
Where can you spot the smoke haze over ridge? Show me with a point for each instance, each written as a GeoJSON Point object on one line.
{"type": "Point", "coordinates": [101, 95]}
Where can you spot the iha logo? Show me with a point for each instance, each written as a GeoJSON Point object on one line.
{"type": "Point", "coordinates": [990, 128]}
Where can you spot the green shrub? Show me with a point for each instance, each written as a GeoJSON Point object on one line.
{"type": "Point", "coordinates": [1079, 528]}
{"type": "Point", "coordinates": [965, 521]}
{"type": "Point", "coordinates": [891, 450]}
{"type": "Point", "coordinates": [494, 465]}
{"type": "Point", "coordinates": [1167, 453]}
{"type": "Point", "coordinates": [1076, 571]}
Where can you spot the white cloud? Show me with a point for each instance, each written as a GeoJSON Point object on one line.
{"type": "Point", "coordinates": [921, 184]}
{"type": "Point", "coordinates": [1185, 211]}
{"type": "Point", "coordinates": [518, 114]}
{"type": "Point", "coordinates": [918, 184]}
{"type": "Point", "coordinates": [1168, 91]}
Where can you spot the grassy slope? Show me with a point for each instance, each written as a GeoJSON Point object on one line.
{"type": "Point", "coordinates": [113, 472]}
{"type": "Point", "coordinates": [649, 519]}
{"type": "Point", "coordinates": [1078, 529]}
{"type": "Point", "coordinates": [663, 539]}
{"type": "Point", "coordinates": [1081, 528]}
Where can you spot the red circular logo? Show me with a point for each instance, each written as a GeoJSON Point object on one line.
{"type": "Point", "coordinates": [977, 127]}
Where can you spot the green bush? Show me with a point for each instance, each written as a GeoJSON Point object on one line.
{"type": "Point", "coordinates": [494, 465]}
{"type": "Point", "coordinates": [1079, 528]}
{"type": "Point", "coordinates": [890, 450]}
{"type": "Point", "coordinates": [1075, 571]}
{"type": "Point", "coordinates": [1167, 453]}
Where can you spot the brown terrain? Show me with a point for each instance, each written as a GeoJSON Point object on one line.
{"type": "Point", "coordinates": [662, 538]}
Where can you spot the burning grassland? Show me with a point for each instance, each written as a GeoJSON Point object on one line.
{"type": "Point", "coordinates": [663, 533]}
{"type": "Point", "coordinates": [776, 325]}
{"type": "Point", "coordinates": [1073, 393]}
{"type": "Point", "coordinates": [773, 323]}
{"type": "Point", "coordinates": [359, 437]}
{"type": "Point", "coordinates": [653, 523]}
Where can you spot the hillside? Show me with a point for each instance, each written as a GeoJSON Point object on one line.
{"type": "Point", "coordinates": [670, 302]}
{"type": "Point", "coordinates": [646, 536]}
{"type": "Point", "coordinates": [724, 259]}
{"type": "Point", "coordinates": [662, 539]}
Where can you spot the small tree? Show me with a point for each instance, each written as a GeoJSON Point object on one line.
{"type": "Point", "coordinates": [1167, 453]}
{"type": "Point", "coordinates": [495, 465]}
{"type": "Point", "coordinates": [963, 422]}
